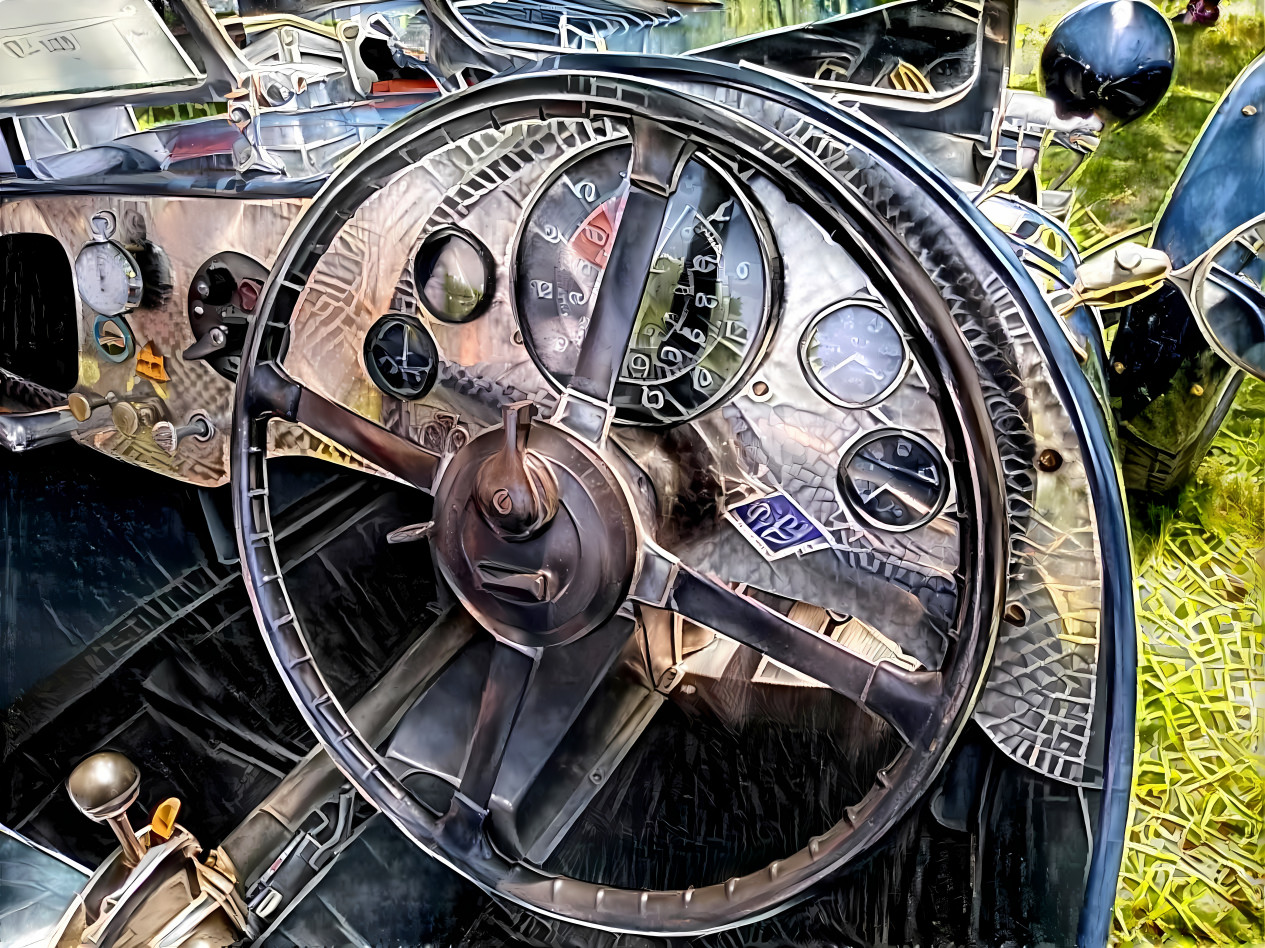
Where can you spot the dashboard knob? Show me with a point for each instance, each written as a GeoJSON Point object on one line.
{"type": "Point", "coordinates": [168, 437]}
{"type": "Point", "coordinates": [130, 417]}
{"type": "Point", "coordinates": [82, 406]}
{"type": "Point", "coordinates": [102, 787]}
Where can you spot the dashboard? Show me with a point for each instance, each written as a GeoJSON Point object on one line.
{"type": "Point", "coordinates": [773, 394]}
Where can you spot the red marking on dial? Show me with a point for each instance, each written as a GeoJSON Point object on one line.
{"type": "Point", "coordinates": [594, 238]}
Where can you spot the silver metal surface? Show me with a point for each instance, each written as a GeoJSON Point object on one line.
{"type": "Point", "coordinates": [22, 431]}
{"type": "Point", "coordinates": [187, 230]}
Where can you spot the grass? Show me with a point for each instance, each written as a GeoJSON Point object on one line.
{"type": "Point", "coordinates": [1194, 857]}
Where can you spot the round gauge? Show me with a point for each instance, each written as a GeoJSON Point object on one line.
{"type": "Point", "coordinates": [704, 305]}
{"type": "Point", "coordinates": [109, 278]}
{"type": "Point", "coordinates": [401, 356]}
{"type": "Point", "coordinates": [894, 479]}
{"type": "Point", "coordinates": [854, 355]}
{"type": "Point", "coordinates": [114, 338]}
{"type": "Point", "coordinates": [453, 274]}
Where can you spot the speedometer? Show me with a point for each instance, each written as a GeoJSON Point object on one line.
{"type": "Point", "coordinates": [705, 302]}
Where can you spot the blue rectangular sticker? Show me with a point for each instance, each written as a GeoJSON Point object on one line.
{"type": "Point", "coordinates": [777, 527]}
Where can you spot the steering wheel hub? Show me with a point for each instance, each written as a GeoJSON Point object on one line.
{"type": "Point", "coordinates": [534, 533]}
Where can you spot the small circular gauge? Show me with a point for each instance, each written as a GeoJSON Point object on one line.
{"type": "Point", "coordinates": [453, 274]}
{"type": "Point", "coordinates": [109, 278]}
{"type": "Point", "coordinates": [114, 338]}
{"type": "Point", "coordinates": [401, 356]}
{"type": "Point", "coordinates": [894, 479]}
{"type": "Point", "coordinates": [704, 308]}
{"type": "Point", "coordinates": [854, 355]}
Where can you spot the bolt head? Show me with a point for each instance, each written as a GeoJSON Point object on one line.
{"type": "Point", "coordinates": [104, 785]}
{"type": "Point", "coordinates": [1049, 460]}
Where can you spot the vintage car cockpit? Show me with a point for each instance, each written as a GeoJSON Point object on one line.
{"type": "Point", "coordinates": [664, 471]}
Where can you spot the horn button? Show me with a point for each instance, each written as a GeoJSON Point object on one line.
{"type": "Point", "coordinates": [534, 532]}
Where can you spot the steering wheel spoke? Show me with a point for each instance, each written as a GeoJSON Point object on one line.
{"type": "Point", "coordinates": [636, 242]}
{"type": "Point", "coordinates": [275, 393]}
{"type": "Point", "coordinates": [904, 699]}
{"type": "Point", "coordinates": [509, 676]}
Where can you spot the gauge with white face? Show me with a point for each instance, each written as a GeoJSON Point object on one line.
{"type": "Point", "coordinates": [704, 302]}
{"type": "Point", "coordinates": [854, 354]}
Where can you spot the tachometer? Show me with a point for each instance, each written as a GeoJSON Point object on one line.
{"type": "Point", "coordinates": [705, 303]}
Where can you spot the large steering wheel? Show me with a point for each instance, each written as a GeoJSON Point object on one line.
{"type": "Point", "coordinates": [709, 403]}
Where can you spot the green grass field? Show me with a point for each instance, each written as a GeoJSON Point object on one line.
{"type": "Point", "coordinates": [1194, 865]}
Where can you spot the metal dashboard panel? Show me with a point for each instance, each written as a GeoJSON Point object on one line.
{"type": "Point", "coordinates": [186, 232]}
{"type": "Point", "coordinates": [788, 439]}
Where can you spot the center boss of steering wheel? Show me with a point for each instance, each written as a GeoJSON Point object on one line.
{"type": "Point", "coordinates": [534, 532]}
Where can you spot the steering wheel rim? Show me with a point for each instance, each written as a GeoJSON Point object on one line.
{"type": "Point", "coordinates": [264, 392]}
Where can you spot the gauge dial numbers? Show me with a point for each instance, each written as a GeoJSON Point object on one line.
{"type": "Point", "coordinates": [109, 278]}
{"type": "Point", "coordinates": [854, 355]}
{"type": "Point", "coordinates": [704, 307]}
{"type": "Point", "coordinates": [894, 479]}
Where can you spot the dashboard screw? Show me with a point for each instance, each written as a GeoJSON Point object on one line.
{"type": "Point", "coordinates": [1049, 460]}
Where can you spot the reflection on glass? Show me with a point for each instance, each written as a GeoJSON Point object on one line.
{"type": "Point", "coordinates": [453, 276]}
{"type": "Point", "coordinates": [114, 339]}
{"type": "Point", "coordinates": [894, 479]}
{"type": "Point", "coordinates": [854, 355]}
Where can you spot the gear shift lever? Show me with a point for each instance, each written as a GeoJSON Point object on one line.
{"type": "Point", "coordinates": [103, 786]}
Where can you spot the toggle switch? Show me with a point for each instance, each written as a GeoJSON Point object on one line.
{"type": "Point", "coordinates": [168, 437]}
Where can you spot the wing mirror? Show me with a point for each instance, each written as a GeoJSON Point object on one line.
{"type": "Point", "coordinates": [1224, 287]}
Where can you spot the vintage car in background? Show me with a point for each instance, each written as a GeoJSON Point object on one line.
{"type": "Point", "coordinates": [677, 475]}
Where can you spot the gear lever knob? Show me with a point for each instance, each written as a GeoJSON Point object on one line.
{"type": "Point", "coordinates": [103, 786]}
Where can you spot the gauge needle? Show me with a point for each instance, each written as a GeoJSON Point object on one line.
{"type": "Point", "coordinates": [666, 234]}
{"type": "Point", "coordinates": [839, 365]}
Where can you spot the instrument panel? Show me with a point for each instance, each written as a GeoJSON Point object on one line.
{"type": "Point", "coordinates": [136, 263]}
{"type": "Point", "coordinates": [760, 360]}
{"type": "Point", "coordinates": [704, 309]}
